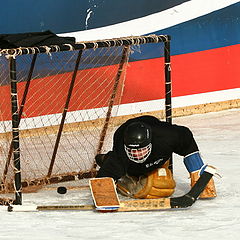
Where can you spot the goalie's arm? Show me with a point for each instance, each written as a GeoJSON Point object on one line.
{"type": "Point", "coordinates": [112, 167]}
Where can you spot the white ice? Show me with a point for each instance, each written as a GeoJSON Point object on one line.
{"type": "Point", "coordinates": [218, 137]}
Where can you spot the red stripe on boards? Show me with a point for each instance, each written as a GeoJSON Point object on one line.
{"type": "Point", "coordinates": [193, 73]}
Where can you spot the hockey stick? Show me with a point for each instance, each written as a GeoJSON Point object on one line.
{"type": "Point", "coordinates": [181, 202]}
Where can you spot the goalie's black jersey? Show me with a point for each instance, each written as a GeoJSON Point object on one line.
{"type": "Point", "coordinates": [166, 139]}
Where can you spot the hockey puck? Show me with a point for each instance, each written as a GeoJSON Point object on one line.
{"type": "Point", "coordinates": [61, 190]}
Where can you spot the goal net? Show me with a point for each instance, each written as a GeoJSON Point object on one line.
{"type": "Point", "coordinates": [61, 104]}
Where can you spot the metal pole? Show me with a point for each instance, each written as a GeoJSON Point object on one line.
{"type": "Point", "coordinates": [20, 114]}
{"type": "Point", "coordinates": [15, 131]}
{"type": "Point", "coordinates": [168, 83]}
{"type": "Point", "coordinates": [168, 89]}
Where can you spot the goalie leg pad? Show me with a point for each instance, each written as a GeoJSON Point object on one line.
{"type": "Point", "coordinates": [159, 183]}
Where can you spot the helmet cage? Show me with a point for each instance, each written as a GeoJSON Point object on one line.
{"type": "Point", "coordinates": [138, 155]}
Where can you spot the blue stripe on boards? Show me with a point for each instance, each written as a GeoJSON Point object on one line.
{"type": "Point", "coordinates": [214, 30]}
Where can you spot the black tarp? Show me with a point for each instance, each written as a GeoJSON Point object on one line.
{"type": "Point", "coordinates": [33, 39]}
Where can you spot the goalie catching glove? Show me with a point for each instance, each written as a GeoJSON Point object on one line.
{"type": "Point", "coordinates": [159, 183]}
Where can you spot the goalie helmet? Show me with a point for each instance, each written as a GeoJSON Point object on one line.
{"type": "Point", "coordinates": [137, 141]}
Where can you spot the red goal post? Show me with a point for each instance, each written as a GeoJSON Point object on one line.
{"type": "Point", "coordinates": [60, 105]}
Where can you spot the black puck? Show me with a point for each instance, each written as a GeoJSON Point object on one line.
{"type": "Point", "coordinates": [61, 190]}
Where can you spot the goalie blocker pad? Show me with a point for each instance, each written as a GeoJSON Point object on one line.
{"type": "Point", "coordinates": [104, 194]}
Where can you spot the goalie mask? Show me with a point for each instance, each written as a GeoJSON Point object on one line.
{"type": "Point", "coordinates": [137, 142]}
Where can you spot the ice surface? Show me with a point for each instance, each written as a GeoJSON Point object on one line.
{"type": "Point", "coordinates": [218, 137]}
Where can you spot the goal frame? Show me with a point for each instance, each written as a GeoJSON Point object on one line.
{"type": "Point", "coordinates": [11, 54]}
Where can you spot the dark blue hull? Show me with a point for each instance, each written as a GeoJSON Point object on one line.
{"type": "Point", "coordinates": [64, 16]}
